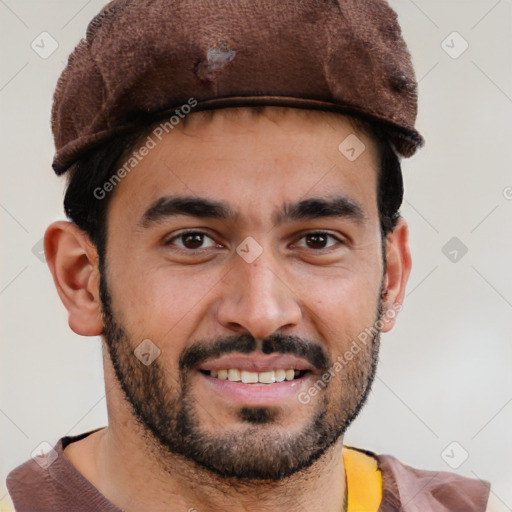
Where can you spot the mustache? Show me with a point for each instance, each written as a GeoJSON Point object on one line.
{"type": "Point", "coordinates": [200, 351]}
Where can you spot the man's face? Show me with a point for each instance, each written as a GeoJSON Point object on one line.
{"type": "Point", "coordinates": [247, 243]}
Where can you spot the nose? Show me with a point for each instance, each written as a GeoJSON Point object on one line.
{"type": "Point", "coordinates": [257, 300]}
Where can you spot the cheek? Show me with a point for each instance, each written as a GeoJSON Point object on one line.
{"type": "Point", "coordinates": [163, 303]}
{"type": "Point", "coordinates": [342, 306]}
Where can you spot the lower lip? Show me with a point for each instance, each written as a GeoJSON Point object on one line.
{"type": "Point", "coordinates": [257, 394]}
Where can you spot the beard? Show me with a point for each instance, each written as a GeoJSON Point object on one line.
{"type": "Point", "coordinates": [258, 448]}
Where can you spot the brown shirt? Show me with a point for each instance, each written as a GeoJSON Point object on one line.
{"type": "Point", "coordinates": [53, 484]}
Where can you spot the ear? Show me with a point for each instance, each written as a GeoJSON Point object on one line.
{"type": "Point", "coordinates": [397, 273]}
{"type": "Point", "coordinates": [73, 262]}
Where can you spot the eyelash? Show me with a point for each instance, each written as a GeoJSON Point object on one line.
{"type": "Point", "coordinates": [184, 233]}
{"type": "Point", "coordinates": [196, 232]}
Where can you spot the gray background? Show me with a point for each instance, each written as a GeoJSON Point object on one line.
{"type": "Point", "coordinates": [444, 387]}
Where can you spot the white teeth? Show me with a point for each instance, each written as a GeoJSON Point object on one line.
{"type": "Point", "coordinates": [249, 377]}
{"type": "Point", "coordinates": [268, 377]}
{"type": "Point", "coordinates": [280, 375]}
{"type": "Point", "coordinates": [234, 375]}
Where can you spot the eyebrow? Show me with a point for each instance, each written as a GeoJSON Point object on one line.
{"type": "Point", "coordinates": [200, 207]}
{"type": "Point", "coordinates": [319, 207]}
{"type": "Point", "coordinates": [203, 208]}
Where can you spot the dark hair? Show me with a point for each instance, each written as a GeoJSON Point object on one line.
{"type": "Point", "coordinates": [81, 204]}
{"type": "Point", "coordinates": [86, 176]}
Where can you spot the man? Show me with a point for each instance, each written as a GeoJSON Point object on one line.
{"type": "Point", "coordinates": [233, 190]}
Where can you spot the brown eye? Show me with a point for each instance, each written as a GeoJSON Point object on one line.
{"type": "Point", "coordinates": [316, 240]}
{"type": "Point", "coordinates": [191, 240]}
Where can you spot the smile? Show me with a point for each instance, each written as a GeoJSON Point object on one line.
{"type": "Point", "coordinates": [256, 379]}
{"type": "Point", "coordinates": [248, 377]}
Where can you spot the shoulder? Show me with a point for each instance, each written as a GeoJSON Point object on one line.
{"type": "Point", "coordinates": [32, 482]}
{"type": "Point", "coordinates": [50, 483]}
{"type": "Point", "coordinates": [413, 489]}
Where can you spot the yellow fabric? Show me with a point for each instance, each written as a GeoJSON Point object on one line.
{"type": "Point", "coordinates": [364, 481]}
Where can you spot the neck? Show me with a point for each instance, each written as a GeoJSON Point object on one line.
{"type": "Point", "coordinates": [134, 479]}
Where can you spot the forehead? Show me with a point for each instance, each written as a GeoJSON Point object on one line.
{"type": "Point", "coordinates": [250, 156]}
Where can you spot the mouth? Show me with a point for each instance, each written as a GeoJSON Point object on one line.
{"type": "Point", "coordinates": [255, 379]}
{"type": "Point", "coordinates": [248, 377]}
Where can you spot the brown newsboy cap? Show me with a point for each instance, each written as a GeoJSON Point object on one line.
{"type": "Point", "coordinates": [142, 59]}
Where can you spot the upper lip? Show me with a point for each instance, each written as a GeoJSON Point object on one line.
{"type": "Point", "coordinates": [256, 363]}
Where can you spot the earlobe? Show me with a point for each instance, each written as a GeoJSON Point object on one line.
{"type": "Point", "coordinates": [397, 273]}
{"type": "Point", "coordinates": [73, 262]}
